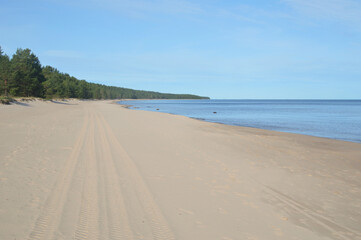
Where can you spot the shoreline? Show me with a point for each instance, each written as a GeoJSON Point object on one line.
{"type": "Point", "coordinates": [234, 125]}
{"type": "Point", "coordinates": [208, 121]}
{"type": "Point", "coordinates": [151, 174]}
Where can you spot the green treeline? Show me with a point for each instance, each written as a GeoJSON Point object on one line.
{"type": "Point", "coordinates": [23, 76]}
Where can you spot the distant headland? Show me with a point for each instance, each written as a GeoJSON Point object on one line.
{"type": "Point", "coordinates": [24, 76]}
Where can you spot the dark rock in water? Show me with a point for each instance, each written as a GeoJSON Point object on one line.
{"type": "Point", "coordinates": [157, 108]}
{"type": "Point", "coordinates": [214, 112]}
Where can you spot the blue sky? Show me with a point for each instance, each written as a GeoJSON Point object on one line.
{"type": "Point", "coordinates": [252, 49]}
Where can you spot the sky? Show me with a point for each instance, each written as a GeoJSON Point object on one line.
{"type": "Point", "coordinates": [224, 49]}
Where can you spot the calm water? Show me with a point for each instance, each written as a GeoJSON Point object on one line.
{"type": "Point", "coordinates": [338, 119]}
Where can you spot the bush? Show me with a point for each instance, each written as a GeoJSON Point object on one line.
{"type": "Point", "coordinates": [6, 100]}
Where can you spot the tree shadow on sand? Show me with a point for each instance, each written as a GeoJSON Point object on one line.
{"type": "Point", "coordinates": [65, 103]}
{"type": "Point", "coordinates": [21, 104]}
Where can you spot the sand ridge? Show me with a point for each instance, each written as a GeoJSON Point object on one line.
{"type": "Point", "coordinates": [94, 170]}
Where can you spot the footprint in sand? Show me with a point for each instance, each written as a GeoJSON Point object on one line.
{"type": "Point", "coordinates": [277, 231]}
{"type": "Point", "coordinates": [222, 211]}
{"type": "Point", "coordinates": [182, 210]}
{"type": "Point", "coordinates": [3, 179]}
{"type": "Point", "coordinates": [199, 224]}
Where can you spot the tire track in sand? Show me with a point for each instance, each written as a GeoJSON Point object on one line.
{"type": "Point", "coordinates": [116, 212]}
{"type": "Point", "coordinates": [312, 217]}
{"type": "Point", "coordinates": [49, 219]}
{"type": "Point", "coordinates": [88, 222]}
{"type": "Point", "coordinates": [158, 224]}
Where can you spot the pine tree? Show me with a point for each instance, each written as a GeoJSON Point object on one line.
{"type": "Point", "coordinates": [27, 74]}
{"type": "Point", "coordinates": [4, 72]}
{"type": "Point", "coordinates": [24, 76]}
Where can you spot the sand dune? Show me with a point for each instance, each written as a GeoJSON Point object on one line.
{"type": "Point", "coordinates": [95, 170]}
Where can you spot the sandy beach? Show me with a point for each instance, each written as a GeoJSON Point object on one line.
{"type": "Point", "coordinates": [95, 170]}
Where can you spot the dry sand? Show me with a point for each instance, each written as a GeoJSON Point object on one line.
{"type": "Point", "coordinates": [95, 170]}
